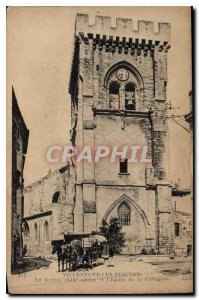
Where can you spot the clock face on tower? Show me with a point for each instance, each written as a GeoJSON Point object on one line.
{"type": "Point", "coordinates": [122, 74]}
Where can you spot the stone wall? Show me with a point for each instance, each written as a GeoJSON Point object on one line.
{"type": "Point", "coordinates": [35, 241]}
{"type": "Point", "coordinates": [20, 135]}
{"type": "Point", "coordinates": [51, 200]}
{"type": "Point", "coordinates": [103, 119]}
{"type": "Point", "coordinates": [182, 214]}
{"type": "Point", "coordinates": [135, 131]}
{"type": "Point", "coordinates": [183, 242]}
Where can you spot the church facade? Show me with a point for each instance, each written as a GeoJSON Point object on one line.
{"type": "Point", "coordinates": [118, 97]}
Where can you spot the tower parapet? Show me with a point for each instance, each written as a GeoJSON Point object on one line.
{"type": "Point", "coordinates": [124, 28]}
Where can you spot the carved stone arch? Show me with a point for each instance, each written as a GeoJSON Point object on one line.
{"type": "Point", "coordinates": [130, 67]}
{"type": "Point", "coordinates": [131, 204]}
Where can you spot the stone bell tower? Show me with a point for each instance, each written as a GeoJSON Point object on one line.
{"type": "Point", "coordinates": [118, 97]}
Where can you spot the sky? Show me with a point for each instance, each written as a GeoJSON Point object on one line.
{"type": "Point", "coordinates": [39, 55]}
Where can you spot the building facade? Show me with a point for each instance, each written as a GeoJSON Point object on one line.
{"type": "Point", "coordinates": [182, 233]}
{"type": "Point", "coordinates": [20, 135]}
{"type": "Point", "coordinates": [118, 97]}
{"type": "Point", "coordinates": [48, 211]}
{"type": "Point", "coordinates": [182, 218]}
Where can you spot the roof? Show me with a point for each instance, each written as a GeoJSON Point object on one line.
{"type": "Point", "coordinates": [50, 173]}
{"type": "Point", "coordinates": [42, 214]}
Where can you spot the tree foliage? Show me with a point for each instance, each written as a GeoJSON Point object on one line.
{"type": "Point", "coordinates": [113, 234]}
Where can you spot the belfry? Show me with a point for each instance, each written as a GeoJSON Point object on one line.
{"type": "Point", "coordinates": [118, 97]}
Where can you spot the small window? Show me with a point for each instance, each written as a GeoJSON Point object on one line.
{"type": "Point", "coordinates": [97, 67]}
{"type": "Point", "coordinates": [55, 198]}
{"type": "Point", "coordinates": [124, 214]}
{"type": "Point", "coordinates": [177, 229]}
{"type": "Point", "coordinates": [114, 88]}
{"type": "Point", "coordinates": [35, 232]}
{"type": "Point", "coordinates": [46, 231]}
{"type": "Point", "coordinates": [124, 166]}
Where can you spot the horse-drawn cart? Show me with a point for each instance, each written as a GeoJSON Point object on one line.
{"type": "Point", "coordinates": [80, 250]}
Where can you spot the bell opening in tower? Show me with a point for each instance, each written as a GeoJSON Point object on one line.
{"type": "Point", "coordinates": [130, 96]}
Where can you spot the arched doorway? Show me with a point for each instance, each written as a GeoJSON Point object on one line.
{"type": "Point", "coordinates": [46, 237]}
{"type": "Point", "coordinates": [36, 239]}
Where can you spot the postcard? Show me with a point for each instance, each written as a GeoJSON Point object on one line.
{"type": "Point", "coordinates": [99, 150]}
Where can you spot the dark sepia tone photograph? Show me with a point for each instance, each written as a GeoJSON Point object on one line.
{"type": "Point", "coordinates": [100, 143]}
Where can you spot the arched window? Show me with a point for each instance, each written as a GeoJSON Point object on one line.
{"type": "Point", "coordinates": [124, 214]}
{"type": "Point", "coordinates": [26, 230]}
{"type": "Point", "coordinates": [46, 231]}
{"type": "Point", "coordinates": [55, 198]}
{"type": "Point", "coordinates": [130, 96]}
{"type": "Point", "coordinates": [35, 232]}
{"type": "Point", "coordinates": [114, 88]}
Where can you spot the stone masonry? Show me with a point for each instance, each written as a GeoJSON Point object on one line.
{"type": "Point", "coordinates": [48, 212]}
{"type": "Point", "coordinates": [118, 97]}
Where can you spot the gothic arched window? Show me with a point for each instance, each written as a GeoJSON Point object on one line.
{"type": "Point", "coordinates": [46, 231]}
{"type": "Point", "coordinates": [56, 197]}
{"type": "Point", "coordinates": [124, 214]}
{"type": "Point", "coordinates": [114, 88]}
{"type": "Point", "coordinates": [26, 230]}
{"type": "Point", "coordinates": [130, 96]}
{"type": "Point", "coordinates": [35, 232]}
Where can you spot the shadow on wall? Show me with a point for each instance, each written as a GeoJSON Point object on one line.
{"type": "Point", "coordinates": [30, 264]}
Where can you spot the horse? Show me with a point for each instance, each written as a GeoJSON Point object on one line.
{"type": "Point", "coordinates": [63, 255]}
{"type": "Point", "coordinates": [58, 250]}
